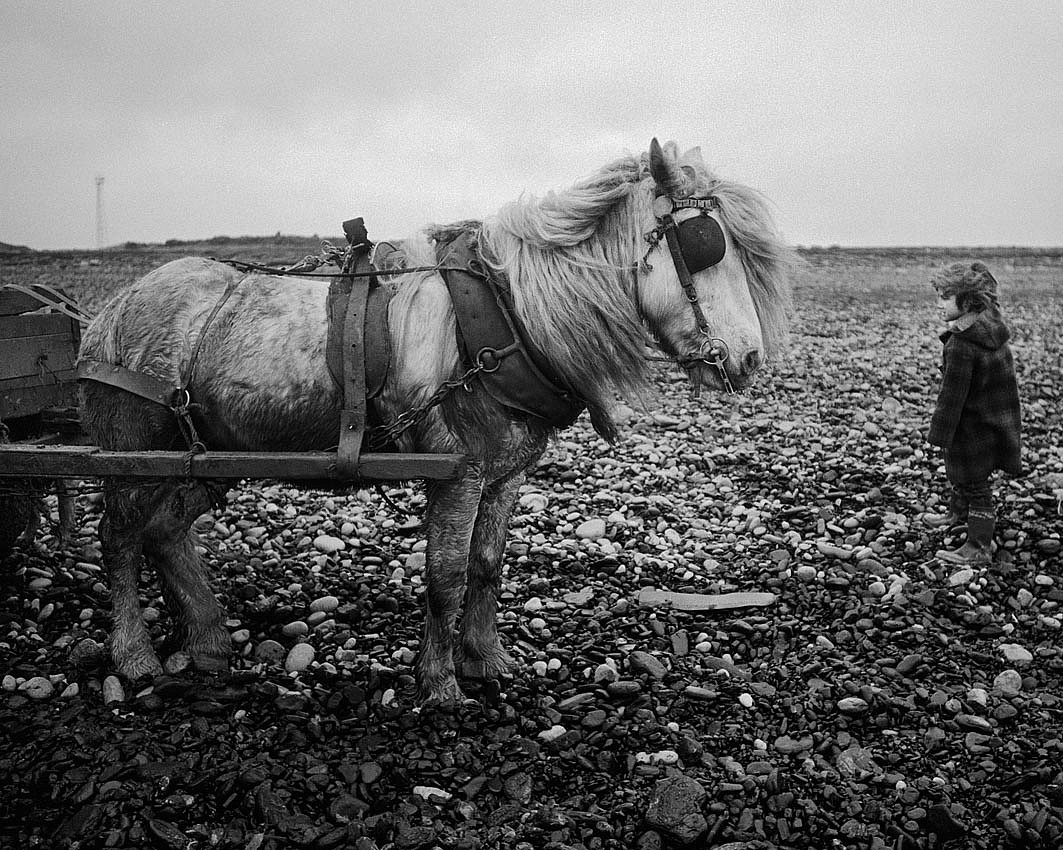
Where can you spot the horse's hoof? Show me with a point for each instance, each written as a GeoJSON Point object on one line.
{"type": "Point", "coordinates": [445, 694]}
{"type": "Point", "coordinates": [499, 665]}
{"type": "Point", "coordinates": [141, 669]}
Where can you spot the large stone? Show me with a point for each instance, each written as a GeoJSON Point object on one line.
{"type": "Point", "coordinates": [642, 662]}
{"type": "Point", "coordinates": [1016, 654]}
{"type": "Point", "coordinates": [675, 809]}
{"type": "Point", "coordinates": [592, 529]}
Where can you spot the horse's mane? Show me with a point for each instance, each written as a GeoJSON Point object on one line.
{"type": "Point", "coordinates": [569, 258]}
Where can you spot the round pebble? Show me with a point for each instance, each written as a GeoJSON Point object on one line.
{"type": "Point", "coordinates": [37, 688]}
{"type": "Point", "coordinates": [852, 705]}
{"type": "Point", "coordinates": [328, 544]}
{"type": "Point", "coordinates": [325, 604]}
{"type": "Point", "coordinates": [270, 651]}
{"type": "Point", "coordinates": [1008, 683]}
{"type": "Point", "coordinates": [297, 628]}
{"type": "Point", "coordinates": [113, 691]}
{"type": "Point", "coordinates": [299, 658]}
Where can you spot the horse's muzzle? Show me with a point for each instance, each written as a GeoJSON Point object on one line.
{"type": "Point", "coordinates": [723, 371]}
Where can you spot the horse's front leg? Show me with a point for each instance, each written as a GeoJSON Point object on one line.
{"type": "Point", "coordinates": [481, 654]}
{"type": "Point", "coordinates": [452, 507]}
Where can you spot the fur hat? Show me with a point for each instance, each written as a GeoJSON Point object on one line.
{"type": "Point", "coordinates": [964, 279]}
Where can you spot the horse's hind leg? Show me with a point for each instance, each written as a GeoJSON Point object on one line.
{"type": "Point", "coordinates": [170, 547]}
{"type": "Point", "coordinates": [121, 540]}
{"type": "Point", "coordinates": [481, 654]}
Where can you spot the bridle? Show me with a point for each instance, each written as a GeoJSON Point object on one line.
{"type": "Point", "coordinates": [695, 244]}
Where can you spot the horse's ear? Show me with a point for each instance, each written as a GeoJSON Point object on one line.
{"type": "Point", "coordinates": [666, 172]}
{"type": "Point", "coordinates": [693, 156]}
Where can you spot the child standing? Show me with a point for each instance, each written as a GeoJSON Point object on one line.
{"type": "Point", "coordinates": [976, 420]}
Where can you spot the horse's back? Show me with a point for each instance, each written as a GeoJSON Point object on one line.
{"type": "Point", "coordinates": [258, 375]}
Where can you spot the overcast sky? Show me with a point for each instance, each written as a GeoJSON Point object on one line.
{"type": "Point", "coordinates": [865, 123]}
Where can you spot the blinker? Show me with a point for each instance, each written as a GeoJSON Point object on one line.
{"type": "Point", "coordinates": [701, 242]}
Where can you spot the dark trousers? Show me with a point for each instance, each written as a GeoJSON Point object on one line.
{"type": "Point", "coordinates": [976, 497]}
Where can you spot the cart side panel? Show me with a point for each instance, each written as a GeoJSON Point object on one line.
{"type": "Point", "coordinates": [38, 353]}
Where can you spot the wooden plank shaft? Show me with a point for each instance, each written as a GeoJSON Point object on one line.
{"type": "Point", "coordinates": [92, 462]}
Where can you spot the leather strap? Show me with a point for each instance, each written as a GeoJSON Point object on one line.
{"type": "Point", "coordinates": [188, 373]}
{"type": "Point", "coordinates": [137, 383]}
{"type": "Point", "coordinates": [352, 417]}
{"type": "Point", "coordinates": [685, 280]}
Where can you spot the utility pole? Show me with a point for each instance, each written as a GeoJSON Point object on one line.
{"type": "Point", "coordinates": [101, 224]}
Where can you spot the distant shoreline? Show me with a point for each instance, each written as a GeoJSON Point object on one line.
{"type": "Point", "coordinates": [230, 246]}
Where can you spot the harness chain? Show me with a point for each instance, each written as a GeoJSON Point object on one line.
{"type": "Point", "coordinates": [384, 434]}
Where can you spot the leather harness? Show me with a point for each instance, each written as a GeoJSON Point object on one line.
{"type": "Point", "coordinates": [514, 372]}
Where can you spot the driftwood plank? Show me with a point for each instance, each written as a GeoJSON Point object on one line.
{"type": "Point", "coordinates": [705, 601]}
{"type": "Point", "coordinates": [92, 462]}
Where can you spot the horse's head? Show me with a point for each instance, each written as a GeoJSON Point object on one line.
{"type": "Point", "coordinates": [698, 286]}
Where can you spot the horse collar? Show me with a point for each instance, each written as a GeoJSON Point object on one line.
{"type": "Point", "coordinates": [511, 368]}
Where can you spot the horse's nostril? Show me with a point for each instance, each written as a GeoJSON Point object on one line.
{"type": "Point", "coordinates": [751, 362]}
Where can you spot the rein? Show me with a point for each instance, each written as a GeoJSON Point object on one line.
{"type": "Point", "coordinates": [244, 266]}
{"type": "Point", "coordinates": [713, 350]}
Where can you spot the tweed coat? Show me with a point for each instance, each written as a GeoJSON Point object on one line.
{"type": "Point", "coordinates": [977, 420]}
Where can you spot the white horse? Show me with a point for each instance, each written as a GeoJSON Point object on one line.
{"type": "Point", "coordinates": [590, 270]}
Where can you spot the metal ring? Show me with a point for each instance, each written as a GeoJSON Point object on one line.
{"type": "Point", "coordinates": [486, 352]}
{"type": "Point", "coordinates": [178, 401]}
{"type": "Point", "coordinates": [719, 352]}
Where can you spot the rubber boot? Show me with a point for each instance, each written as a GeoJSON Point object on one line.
{"type": "Point", "coordinates": [977, 551]}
